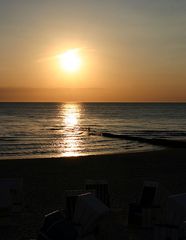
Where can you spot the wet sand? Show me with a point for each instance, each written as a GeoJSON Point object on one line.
{"type": "Point", "coordinates": [45, 180]}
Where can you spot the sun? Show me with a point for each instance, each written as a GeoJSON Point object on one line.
{"type": "Point", "coordinates": [70, 60]}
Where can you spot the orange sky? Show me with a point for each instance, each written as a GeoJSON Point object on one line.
{"type": "Point", "coordinates": [130, 51]}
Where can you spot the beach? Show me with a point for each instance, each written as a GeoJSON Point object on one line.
{"type": "Point", "coordinates": [45, 180]}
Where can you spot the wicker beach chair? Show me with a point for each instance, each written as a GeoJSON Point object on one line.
{"type": "Point", "coordinates": [11, 200]}
{"type": "Point", "coordinates": [100, 188]}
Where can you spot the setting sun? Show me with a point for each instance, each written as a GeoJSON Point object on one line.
{"type": "Point", "coordinates": [70, 60]}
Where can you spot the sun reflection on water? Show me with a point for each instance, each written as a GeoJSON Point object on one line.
{"type": "Point", "coordinates": [71, 119]}
{"type": "Point", "coordinates": [71, 122]}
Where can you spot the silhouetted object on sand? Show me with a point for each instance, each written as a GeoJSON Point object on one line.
{"type": "Point", "coordinates": [70, 205]}
{"type": "Point", "coordinates": [71, 199]}
{"type": "Point", "coordinates": [56, 227]}
{"type": "Point", "coordinates": [149, 193]}
{"type": "Point", "coordinates": [158, 214]}
{"type": "Point", "coordinates": [154, 215]}
{"type": "Point", "coordinates": [149, 203]}
{"type": "Point", "coordinates": [88, 212]}
{"type": "Point", "coordinates": [100, 188]}
{"type": "Point", "coordinates": [11, 200]}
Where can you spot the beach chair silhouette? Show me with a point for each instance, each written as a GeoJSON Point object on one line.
{"type": "Point", "coordinates": [11, 198]}
{"type": "Point", "coordinates": [87, 213]}
{"type": "Point", "coordinates": [89, 210]}
{"type": "Point", "coordinates": [147, 208]}
{"type": "Point", "coordinates": [71, 199]}
{"type": "Point", "coordinates": [149, 194]}
{"type": "Point", "coordinates": [56, 227]}
{"type": "Point", "coordinates": [100, 188]}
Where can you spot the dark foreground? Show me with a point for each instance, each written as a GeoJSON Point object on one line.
{"type": "Point", "coordinates": [45, 181]}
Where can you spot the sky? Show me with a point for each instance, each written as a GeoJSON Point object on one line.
{"type": "Point", "coordinates": [131, 50]}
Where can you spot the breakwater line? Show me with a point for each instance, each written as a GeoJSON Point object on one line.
{"type": "Point", "coordinates": [153, 141]}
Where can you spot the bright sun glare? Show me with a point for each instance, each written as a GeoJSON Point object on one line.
{"type": "Point", "coordinates": [70, 60]}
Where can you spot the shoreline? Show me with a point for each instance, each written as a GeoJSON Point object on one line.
{"type": "Point", "coordinates": [104, 154]}
{"type": "Point", "coordinates": [149, 149]}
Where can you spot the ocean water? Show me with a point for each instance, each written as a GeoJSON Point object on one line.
{"type": "Point", "coordinates": [35, 130]}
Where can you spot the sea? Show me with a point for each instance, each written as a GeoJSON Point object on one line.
{"type": "Point", "coordinates": [49, 130]}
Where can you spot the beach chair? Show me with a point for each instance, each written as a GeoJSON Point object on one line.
{"type": "Point", "coordinates": [70, 200]}
{"type": "Point", "coordinates": [179, 199]}
{"type": "Point", "coordinates": [100, 188]}
{"type": "Point", "coordinates": [140, 211]}
{"type": "Point", "coordinates": [175, 215]}
{"type": "Point", "coordinates": [88, 211]}
{"type": "Point", "coordinates": [11, 200]}
{"type": "Point", "coordinates": [149, 194]}
{"type": "Point", "coordinates": [153, 194]}
{"type": "Point", "coordinates": [171, 220]}
{"type": "Point", "coordinates": [149, 208]}
{"type": "Point", "coordinates": [56, 227]}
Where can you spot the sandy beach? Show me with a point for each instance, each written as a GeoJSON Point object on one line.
{"type": "Point", "coordinates": [45, 180]}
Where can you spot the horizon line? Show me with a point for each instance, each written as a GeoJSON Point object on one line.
{"type": "Point", "coordinates": [181, 102]}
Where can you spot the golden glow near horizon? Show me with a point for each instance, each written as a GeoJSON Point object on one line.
{"type": "Point", "coordinates": [92, 51]}
{"type": "Point", "coordinates": [70, 60]}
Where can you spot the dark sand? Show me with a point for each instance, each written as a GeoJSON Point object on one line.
{"type": "Point", "coordinates": [45, 180]}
